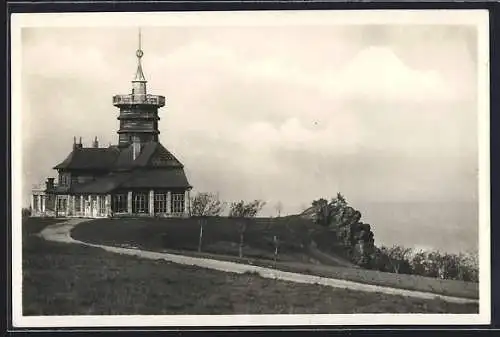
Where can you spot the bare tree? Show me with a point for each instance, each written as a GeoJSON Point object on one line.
{"type": "Point", "coordinates": [207, 204]}
{"type": "Point", "coordinates": [276, 242]}
{"type": "Point", "coordinates": [242, 229]}
{"type": "Point", "coordinates": [202, 222]}
{"type": "Point", "coordinates": [279, 208]}
{"type": "Point", "coordinates": [241, 209]}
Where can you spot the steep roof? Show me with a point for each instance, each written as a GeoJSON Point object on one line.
{"type": "Point", "coordinates": [90, 158]}
{"type": "Point", "coordinates": [138, 178]}
{"type": "Point", "coordinates": [155, 167]}
{"type": "Point", "coordinates": [157, 178]}
{"type": "Point", "coordinates": [153, 155]}
{"type": "Point", "coordinates": [104, 184]}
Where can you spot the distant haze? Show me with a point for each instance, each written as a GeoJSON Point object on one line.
{"type": "Point", "coordinates": [386, 115]}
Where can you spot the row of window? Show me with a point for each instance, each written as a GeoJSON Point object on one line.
{"type": "Point", "coordinates": [119, 204]}
{"type": "Point", "coordinates": [140, 203]}
{"type": "Point", "coordinates": [95, 203]}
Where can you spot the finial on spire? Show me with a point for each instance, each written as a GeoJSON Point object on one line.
{"type": "Point", "coordinates": [140, 38]}
{"type": "Point", "coordinates": [139, 75]}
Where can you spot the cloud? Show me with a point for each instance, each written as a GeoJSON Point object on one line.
{"type": "Point", "coordinates": [376, 73]}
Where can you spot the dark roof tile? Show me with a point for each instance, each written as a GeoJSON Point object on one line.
{"type": "Point", "coordinates": [90, 158]}
{"type": "Point", "coordinates": [104, 184]}
{"type": "Point", "coordinates": [153, 155]}
{"type": "Point", "coordinates": [157, 178]}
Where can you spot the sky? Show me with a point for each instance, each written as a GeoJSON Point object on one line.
{"type": "Point", "coordinates": [384, 114]}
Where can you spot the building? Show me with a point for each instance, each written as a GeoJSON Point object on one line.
{"type": "Point", "coordinates": [136, 177]}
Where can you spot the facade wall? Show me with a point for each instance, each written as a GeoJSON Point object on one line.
{"type": "Point", "coordinates": [139, 203]}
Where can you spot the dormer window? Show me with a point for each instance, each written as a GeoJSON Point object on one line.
{"type": "Point", "coordinates": [64, 179]}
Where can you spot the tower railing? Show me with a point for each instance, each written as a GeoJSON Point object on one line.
{"type": "Point", "coordinates": [139, 99]}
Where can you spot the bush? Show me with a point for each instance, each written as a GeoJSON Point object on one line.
{"type": "Point", "coordinates": [397, 259]}
{"type": "Point", "coordinates": [26, 212]}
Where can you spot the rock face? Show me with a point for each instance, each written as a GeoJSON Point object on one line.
{"type": "Point", "coordinates": [355, 236]}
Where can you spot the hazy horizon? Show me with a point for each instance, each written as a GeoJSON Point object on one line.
{"type": "Point", "coordinates": [384, 114]}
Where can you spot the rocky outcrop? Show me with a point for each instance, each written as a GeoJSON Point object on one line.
{"type": "Point", "coordinates": [356, 236]}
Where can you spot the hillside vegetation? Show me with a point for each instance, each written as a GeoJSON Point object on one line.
{"type": "Point", "coordinates": [68, 279]}
{"type": "Point", "coordinates": [221, 238]}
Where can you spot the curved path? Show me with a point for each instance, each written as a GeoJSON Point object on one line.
{"type": "Point", "coordinates": [61, 232]}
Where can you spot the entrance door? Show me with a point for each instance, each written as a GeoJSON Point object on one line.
{"type": "Point", "coordinates": [94, 208]}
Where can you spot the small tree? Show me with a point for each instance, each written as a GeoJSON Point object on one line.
{"type": "Point", "coordinates": [26, 212]}
{"type": "Point", "coordinates": [279, 208]}
{"type": "Point", "coordinates": [241, 209]}
{"type": "Point", "coordinates": [242, 230]}
{"type": "Point", "coordinates": [207, 204]}
{"type": "Point", "coordinates": [322, 212]}
{"type": "Point", "coordinates": [276, 243]}
{"type": "Point", "coordinates": [398, 258]}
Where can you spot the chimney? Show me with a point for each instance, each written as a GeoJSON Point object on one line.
{"type": "Point", "coordinates": [136, 147]}
{"type": "Point", "coordinates": [77, 145]}
{"type": "Point", "coordinates": [95, 143]}
{"type": "Point", "coordinates": [49, 184]}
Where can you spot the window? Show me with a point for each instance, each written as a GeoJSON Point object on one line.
{"type": "Point", "coordinates": [119, 203]}
{"type": "Point", "coordinates": [178, 203]}
{"type": "Point", "coordinates": [78, 203]}
{"type": "Point", "coordinates": [140, 204]}
{"type": "Point", "coordinates": [61, 206]}
{"type": "Point", "coordinates": [35, 202]}
{"type": "Point", "coordinates": [161, 203]}
{"type": "Point", "coordinates": [102, 204]}
{"type": "Point", "coordinates": [64, 179]}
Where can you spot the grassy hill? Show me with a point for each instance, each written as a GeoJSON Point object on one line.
{"type": "Point", "coordinates": [221, 238]}
{"type": "Point", "coordinates": [300, 239]}
{"type": "Point", "coordinates": [68, 279]}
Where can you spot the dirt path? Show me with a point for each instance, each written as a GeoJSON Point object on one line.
{"type": "Point", "coordinates": [61, 232]}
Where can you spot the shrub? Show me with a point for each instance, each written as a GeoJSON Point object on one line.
{"type": "Point", "coordinates": [26, 212]}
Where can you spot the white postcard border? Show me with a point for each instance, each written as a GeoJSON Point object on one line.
{"type": "Point", "coordinates": [478, 18]}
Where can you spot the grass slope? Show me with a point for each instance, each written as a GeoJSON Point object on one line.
{"type": "Point", "coordinates": [220, 241]}
{"type": "Point", "coordinates": [67, 279]}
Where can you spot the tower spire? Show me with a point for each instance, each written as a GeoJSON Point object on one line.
{"type": "Point", "coordinates": [139, 75]}
{"type": "Point", "coordinates": [138, 110]}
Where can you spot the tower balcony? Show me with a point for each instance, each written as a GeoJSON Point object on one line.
{"type": "Point", "coordinates": [135, 99]}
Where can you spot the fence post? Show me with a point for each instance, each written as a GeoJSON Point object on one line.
{"type": "Point", "coordinates": [276, 245]}
{"type": "Point", "coordinates": [202, 220]}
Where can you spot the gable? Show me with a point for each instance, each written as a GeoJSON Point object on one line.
{"type": "Point", "coordinates": [161, 157]}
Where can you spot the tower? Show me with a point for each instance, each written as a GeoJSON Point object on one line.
{"type": "Point", "coordinates": [138, 110]}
